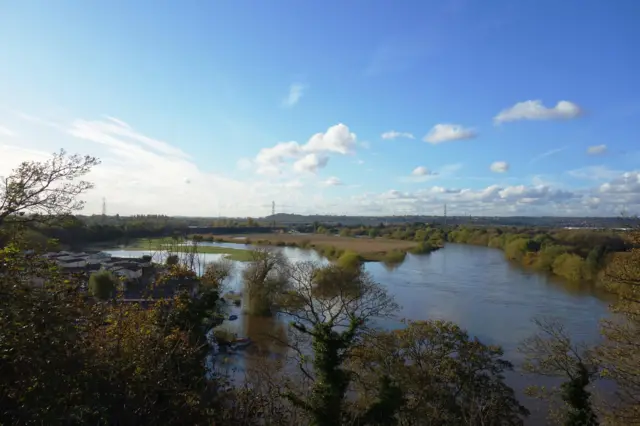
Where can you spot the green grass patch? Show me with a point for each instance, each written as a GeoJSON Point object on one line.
{"type": "Point", "coordinates": [240, 255]}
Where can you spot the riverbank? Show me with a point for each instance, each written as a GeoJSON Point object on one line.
{"type": "Point", "coordinates": [332, 247]}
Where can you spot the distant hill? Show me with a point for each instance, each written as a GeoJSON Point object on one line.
{"type": "Point", "coordinates": [548, 221]}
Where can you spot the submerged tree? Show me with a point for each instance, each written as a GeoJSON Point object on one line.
{"type": "Point", "coordinates": [38, 191]}
{"type": "Point", "coordinates": [265, 278]}
{"type": "Point", "coordinates": [216, 273]}
{"type": "Point", "coordinates": [335, 321]}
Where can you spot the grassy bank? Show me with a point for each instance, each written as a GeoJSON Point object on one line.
{"type": "Point", "coordinates": [333, 247]}
{"type": "Point", "coordinates": [153, 244]}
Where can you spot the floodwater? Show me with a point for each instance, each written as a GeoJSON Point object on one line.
{"type": "Point", "coordinates": [472, 286]}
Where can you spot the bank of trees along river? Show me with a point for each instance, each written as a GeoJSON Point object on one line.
{"type": "Point", "coordinates": [573, 254]}
{"type": "Point", "coordinates": [69, 357]}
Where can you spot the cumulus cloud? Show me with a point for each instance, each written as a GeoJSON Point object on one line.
{"type": "Point", "coordinates": [449, 132]}
{"type": "Point", "coordinates": [499, 166]}
{"type": "Point", "coordinates": [535, 110]}
{"type": "Point", "coordinates": [310, 163]}
{"type": "Point", "coordinates": [333, 181]}
{"type": "Point", "coordinates": [597, 149]}
{"type": "Point", "coordinates": [392, 134]}
{"type": "Point", "coordinates": [296, 91]}
{"type": "Point", "coordinates": [337, 139]}
{"type": "Point", "coordinates": [270, 160]}
{"type": "Point", "coordinates": [143, 174]}
{"type": "Point", "coordinates": [309, 157]}
{"type": "Point", "coordinates": [628, 183]}
{"type": "Point", "coordinates": [422, 171]}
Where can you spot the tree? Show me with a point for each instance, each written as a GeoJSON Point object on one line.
{"type": "Point", "coordinates": [550, 352]}
{"type": "Point", "coordinates": [39, 191]}
{"type": "Point", "coordinates": [103, 285]}
{"type": "Point", "coordinates": [447, 378]}
{"type": "Point", "coordinates": [619, 355]}
{"type": "Point", "coordinates": [265, 278]}
{"type": "Point", "coordinates": [334, 321]}
{"type": "Point", "coordinates": [64, 360]}
{"type": "Point", "coordinates": [172, 259]}
{"type": "Point", "coordinates": [217, 272]}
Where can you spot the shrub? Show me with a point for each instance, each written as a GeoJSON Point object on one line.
{"type": "Point", "coordinates": [547, 256]}
{"type": "Point", "coordinates": [103, 285]}
{"type": "Point", "coordinates": [349, 260]}
{"type": "Point", "coordinates": [569, 266]}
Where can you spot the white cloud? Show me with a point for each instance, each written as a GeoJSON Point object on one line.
{"type": "Point", "coordinates": [296, 91]}
{"type": "Point", "coordinates": [270, 160]}
{"type": "Point", "coordinates": [499, 166]}
{"type": "Point", "coordinates": [535, 110]}
{"type": "Point", "coordinates": [333, 181]}
{"type": "Point", "coordinates": [422, 174]}
{"type": "Point", "coordinates": [597, 149]}
{"type": "Point", "coordinates": [336, 139]}
{"type": "Point", "coordinates": [140, 174]}
{"type": "Point", "coordinates": [422, 171]}
{"type": "Point", "coordinates": [310, 163]}
{"type": "Point", "coordinates": [6, 132]}
{"type": "Point", "coordinates": [308, 157]}
{"type": "Point", "coordinates": [628, 183]}
{"type": "Point", "coordinates": [392, 134]}
{"type": "Point", "coordinates": [449, 132]}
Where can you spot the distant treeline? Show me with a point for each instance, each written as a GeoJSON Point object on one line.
{"type": "Point", "coordinates": [82, 230]}
{"type": "Point", "coordinates": [575, 254]}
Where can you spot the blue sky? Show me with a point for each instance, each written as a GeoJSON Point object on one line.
{"type": "Point", "coordinates": [199, 108]}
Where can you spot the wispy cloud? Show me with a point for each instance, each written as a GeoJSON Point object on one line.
{"type": "Point", "coordinates": [547, 154]}
{"type": "Point", "coordinates": [6, 132]}
{"type": "Point", "coordinates": [392, 134]}
{"type": "Point", "coordinates": [594, 173]}
{"type": "Point", "coordinates": [296, 91]}
{"type": "Point", "coordinates": [597, 149]}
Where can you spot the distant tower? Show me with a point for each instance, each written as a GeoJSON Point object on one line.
{"type": "Point", "coordinates": [445, 214]}
{"type": "Point", "coordinates": [104, 207]}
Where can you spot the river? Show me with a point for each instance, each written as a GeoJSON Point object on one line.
{"type": "Point", "coordinates": [472, 286]}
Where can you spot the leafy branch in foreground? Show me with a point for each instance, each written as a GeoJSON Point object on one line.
{"type": "Point", "coordinates": [39, 191]}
